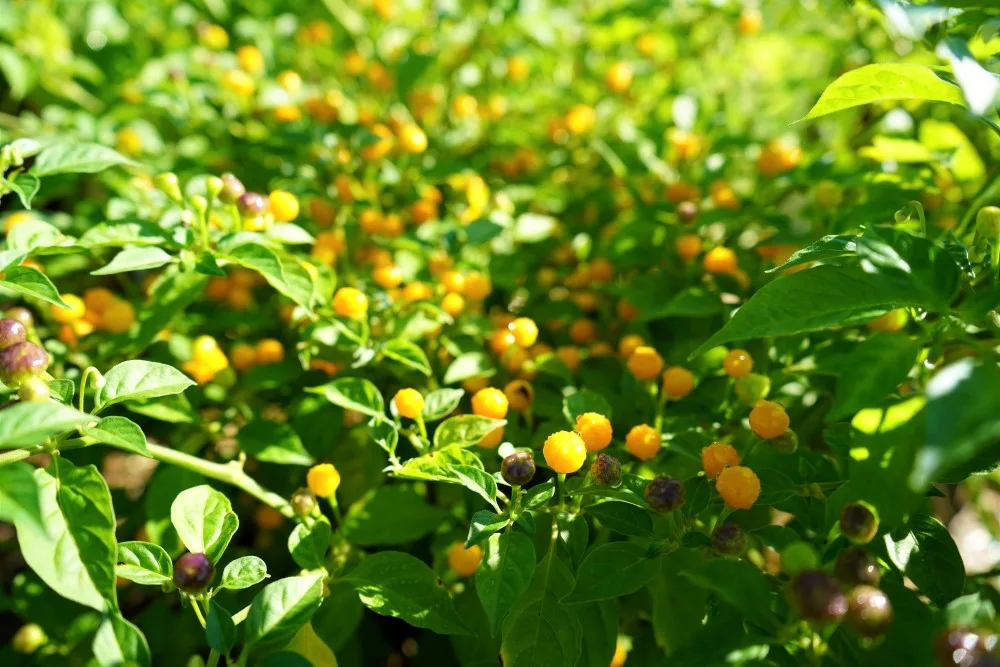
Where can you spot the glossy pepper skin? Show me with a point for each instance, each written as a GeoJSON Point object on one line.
{"type": "Point", "coordinates": [193, 572]}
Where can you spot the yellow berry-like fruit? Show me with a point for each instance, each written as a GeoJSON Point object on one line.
{"type": "Point", "coordinates": [388, 276]}
{"type": "Point", "coordinates": [595, 429]}
{"type": "Point", "coordinates": [15, 219]}
{"type": "Point", "coordinates": [477, 286]}
{"type": "Point", "coordinates": [250, 59]}
{"type": "Point", "coordinates": [462, 561]}
{"type": "Point", "coordinates": [490, 402]}
{"type": "Point", "coordinates": [629, 344]}
{"type": "Point", "coordinates": [677, 382]}
{"type": "Point", "coordinates": [717, 457]}
{"type": "Point", "coordinates": [76, 310]}
{"type": "Point", "coordinates": [350, 302]}
{"type": "Point", "coordinates": [525, 331]}
{"type": "Point", "coordinates": [409, 403]}
{"type": "Point", "coordinates": [688, 246]}
{"type": "Point", "coordinates": [239, 82]}
{"type": "Point", "coordinates": [720, 260]}
{"type": "Point", "coordinates": [768, 419]}
{"type": "Point", "coordinates": [128, 141]}
{"type": "Point", "coordinates": [118, 317]}
{"type": "Point", "coordinates": [453, 304]}
{"type": "Point", "coordinates": [412, 139]}
{"type": "Point", "coordinates": [323, 480]}
{"type": "Point", "coordinates": [565, 451]}
{"type": "Point", "coordinates": [520, 395]}
{"type": "Point", "coordinates": [492, 439]}
{"type": "Point", "coordinates": [643, 441]}
{"type": "Point", "coordinates": [891, 322]}
{"type": "Point", "coordinates": [284, 205]}
{"type": "Point", "coordinates": [737, 363]}
{"type": "Point", "coordinates": [619, 77]}
{"type": "Point", "coordinates": [581, 119]}
{"type": "Point", "coordinates": [243, 356]}
{"type": "Point", "coordinates": [269, 351]}
{"type": "Point", "coordinates": [453, 281]}
{"type": "Point", "coordinates": [97, 299]}
{"type": "Point", "coordinates": [645, 363]}
{"type": "Point", "coordinates": [738, 486]}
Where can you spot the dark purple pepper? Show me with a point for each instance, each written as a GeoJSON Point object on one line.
{"type": "Point", "coordinates": [817, 596]}
{"type": "Point", "coordinates": [518, 468]}
{"type": "Point", "coordinates": [232, 189]}
{"type": "Point", "coordinates": [22, 360]}
{"type": "Point", "coordinates": [856, 567]}
{"type": "Point", "coordinates": [252, 203]}
{"type": "Point", "coordinates": [858, 522]}
{"type": "Point", "coordinates": [869, 612]}
{"type": "Point", "coordinates": [606, 470]}
{"type": "Point", "coordinates": [303, 502]}
{"type": "Point", "coordinates": [193, 572]}
{"type": "Point", "coordinates": [957, 646]}
{"type": "Point", "coordinates": [687, 211]}
{"type": "Point", "coordinates": [729, 539]}
{"type": "Point", "coordinates": [664, 494]}
{"type": "Point", "coordinates": [11, 332]}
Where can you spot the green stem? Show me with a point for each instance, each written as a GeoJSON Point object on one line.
{"type": "Point", "coordinates": [988, 192]}
{"type": "Point", "coordinates": [90, 370]}
{"type": "Point", "coordinates": [213, 659]}
{"type": "Point", "coordinates": [560, 480]}
{"type": "Point", "coordinates": [15, 455]}
{"type": "Point", "coordinates": [197, 612]}
{"type": "Point", "coordinates": [423, 427]}
{"type": "Point", "coordinates": [227, 473]}
{"type": "Point", "coordinates": [335, 506]}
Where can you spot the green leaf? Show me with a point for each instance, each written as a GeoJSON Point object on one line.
{"type": "Point", "coordinates": [483, 524]}
{"type": "Point", "coordinates": [169, 296]}
{"type": "Point", "coordinates": [678, 604]}
{"type": "Point", "coordinates": [135, 259]}
{"type": "Point", "coordinates": [409, 354]}
{"type": "Point", "coordinates": [503, 574]}
{"type": "Point", "coordinates": [396, 584]}
{"type": "Point", "coordinates": [355, 394]}
{"type": "Point", "coordinates": [583, 401]}
{"type": "Point", "coordinates": [599, 621]}
{"type": "Point", "coordinates": [632, 566]}
{"type": "Point", "coordinates": [281, 608]}
{"type": "Point", "coordinates": [439, 403]}
{"type": "Point", "coordinates": [76, 553]}
{"type": "Point", "coordinates": [468, 365]}
{"type": "Point", "coordinates": [879, 83]}
{"type": "Point", "coordinates": [739, 584]}
{"type": "Point", "coordinates": [138, 380]}
{"type": "Point", "coordinates": [871, 371]}
{"type": "Point", "coordinates": [390, 515]}
{"type": "Point", "coordinates": [623, 518]}
{"type": "Point", "coordinates": [691, 302]}
{"type": "Point", "coordinates": [63, 390]}
{"type": "Point", "coordinates": [144, 563]}
{"type": "Point", "coordinates": [272, 442]}
{"type": "Point", "coordinates": [220, 630]}
{"type": "Point", "coordinates": [828, 247]}
{"type": "Point", "coordinates": [38, 237]}
{"type": "Point", "coordinates": [243, 573]}
{"type": "Point", "coordinates": [119, 643]}
{"type": "Point", "coordinates": [541, 632]}
{"type": "Point", "coordinates": [122, 233]}
{"type": "Point", "coordinates": [204, 520]}
{"type": "Point", "coordinates": [339, 616]}
{"type": "Point", "coordinates": [287, 277]}
{"type": "Point", "coordinates": [174, 409]}
{"type": "Point", "coordinates": [76, 159]}
{"type": "Point", "coordinates": [19, 73]}
{"type": "Point", "coordinates": [19, 495]}
{"type": "Point", "coordinates": [28, 424]}
{"type": "Point", "coordinates": [25, 186]}
{"type": "Point", "coordinates": [119, 432]}
{"type": "Point", "coordinates": [384, 434]}
{"type": "Point", "coordinates": [309, 544]}
{"type": "Point", "coordinates": [33, 283]}
{"type": "Point", "coordinates": [814, 300]}
{"type": "Point", "coordinates": [464, 430]}
{"type": "Point", "coordinates": [478, 481]}
{"type": "Point", "coordinates": [926, 554]}
{"type": "Point", "coordinates": [962, 421]}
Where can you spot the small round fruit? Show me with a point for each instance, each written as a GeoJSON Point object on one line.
{"type": "Point", "coordinates": [752, 387]}
{"type": "Point", "coordinates": [323, 480]}
{"type": "Point", "coordinates": [687, 212]}
{"type": "Point", "coordinates": [492, 439]}
{"type": "Point", "coordinates": [717, 457]}
{"type": "Point", "coordinates": [729, 539]}
{"type": "Point", "coordinates": [22, 315]}
{"type": "Point", "coordinates": [817, 596]}
{"type": "Point", "coordinates": [33, 389]}
{"type": "Point", "coordinates": [412, 139]}
{"type": "Point", "coordinates": [606, 470]}
{"type": "Point", "coordinates": [28, 638]}
{"type": "Point", "coordinates": [677, 382]}
{"type": "Point", "coordinates": [232, 189]}
{"type": "Point", "coordinates": [284, 205]}
{"type": "Point", "coordinates": [798, 556]}
{"type": "Point", "coordinates": [490, 402]}
{"type": "Point", "coordinates": [738, 486]}
{"type": "Point", "coordinates": [520, 394]}
{"type": "Point", "coordinates": [664, 494]}
{"type": "Point", "coordinates": [193, 572]}
{"type": "Point", "coordinates": [350, 302]}
{"type": "Point", "coordinates": [869, 612]}
{"type": "Point", "coordinates": [251, 204]}
{"type": "Point", "coordinates": [525, 331]}
{"type": "Point", "coordinates": [856, 567]}
{"type": "Point", "coordinates": [957, 646]}
{"type": "Point", "coordinates": [75, 311]}
{"type": "Point", "coordinates": [11, 332]}
{"type": "Point", "coordinates": [564, 452]}
{"type": "Point", "coordinates": [595, 429]}
{"type": "Point", "coordinates": [453, 304]}
{"type": "Point", "coordinates": [891, 322]}
{"type": "Point", "coordinates": [688, 246]}
{"type": "Point", "coordinates": [643, 441]}
{"type": "Point", "coordinates": [464, 562]}
{"type": "Point", "coordinates": [20, 361]}
{"type": "Point", "coordinates": [786, 443]}
{"type": "Point", "coordinates": [859, 522]}
{"type": "Point", "coordinates": [737, 363]}
{"type": "Point", "coordinates": [409, 402]}
{"type": "Point", "coordinates": [768, 419]}
{"type": "Point", "coordinates": [518, 468]}
{"type": "Point", "coordinates": [303, 502]}
{"type": "Point", "coordinates": [645, 363]}
{"type": "Point", "coordinates": [720, 260]}
{"type": "Point", "coordinates": [118, 317]}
